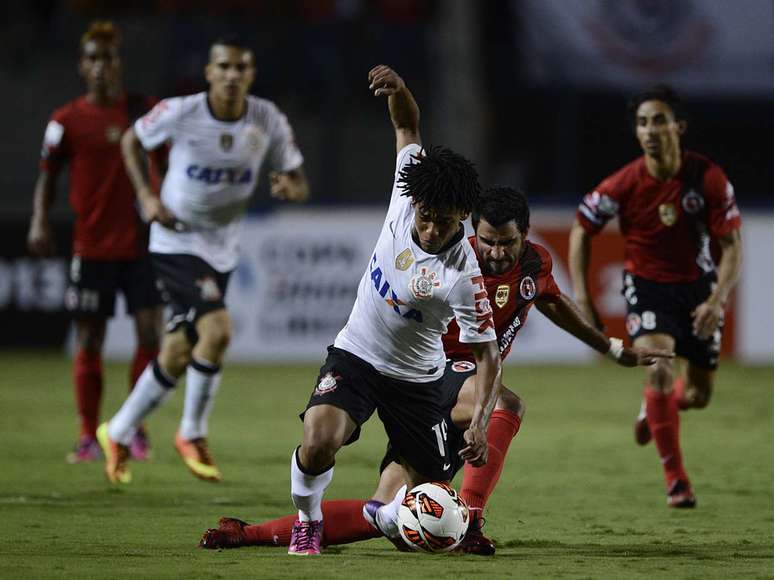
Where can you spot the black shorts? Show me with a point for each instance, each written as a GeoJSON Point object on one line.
{"type": "Point", "coordinates": [93, 286]}
{"type": "Point", "coordinates": [412, 413]}
{"type": "Point", "coordinates": [190, 287]}
{"type": "Point", "coordinates": [454, 377]}
{"type": "Point", "coordinates": [661, 308]}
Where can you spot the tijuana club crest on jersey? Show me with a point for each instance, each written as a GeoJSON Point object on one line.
{"type": "Point", "coordinates": [528, 288]}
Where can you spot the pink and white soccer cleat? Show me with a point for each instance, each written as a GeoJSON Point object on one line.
{"type": "Point", "coordinates": [306, 537]}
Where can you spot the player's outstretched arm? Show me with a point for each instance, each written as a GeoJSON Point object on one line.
{"type": "Point", "coordinates": [404, 111]}
{"type": "Point", "coordinates": [135, 162]}
{"type": "Point", "coordinates": [566, 315]}
{"type": "Point", "coordinates": [488, 383]}
{"type": "Point", "coordinates": [40, 238]}
{"type": "Point", "coordinates": [289, 185]}
{"type": "Point", "coordinates": [708, 314]}
{"type": "Point", "coordinates": [579, 258]}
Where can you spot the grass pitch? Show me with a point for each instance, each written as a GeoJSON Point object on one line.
{"type": "Point", "coordinates": [577, 498]}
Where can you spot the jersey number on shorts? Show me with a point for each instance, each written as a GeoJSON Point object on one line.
{"type": "Point", "coordinates": [441, 433]}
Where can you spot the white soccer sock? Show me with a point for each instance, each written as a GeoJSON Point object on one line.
{"type": "Point", "coordinates": [202, 380]}
{"type": "Point", "coordinates": [307, 490]}
{"type": "Point", "coordinates": [152, 388]}
{"type": "Point", "coordinates": [387, 515]}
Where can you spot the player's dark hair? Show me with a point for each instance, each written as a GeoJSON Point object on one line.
{"type": "Point", "coordinates": [104, 30]}
{"type": "Point", "coordinates": [441, 180]}
{"type": "Point", "coordinates": [498, 205]}
{"type": "Point", "coordinates": [231, 39]}
{"type": "Point", "coordinates": [663, 93]}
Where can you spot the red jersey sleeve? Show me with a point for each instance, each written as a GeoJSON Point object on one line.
{"type": "Point", "coordinates": [547, 287]}
{"type": "Point", "coordinates": [601, 205]}
{"type": "Point", "coordinates": [54, 152]}
{"type": "Point", "coordinates": [722, 212]}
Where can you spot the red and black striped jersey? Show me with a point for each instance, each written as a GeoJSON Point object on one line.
{"type": "Point", "coordinates": [511, 296]}
{"type": "Point", "coordinates": [87, 137]}
{"type": "Point", "coordinates": [668, 226]}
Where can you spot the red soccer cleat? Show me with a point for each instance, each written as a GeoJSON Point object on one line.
{"type": "Point", "coordinates": [642, 434]}
{"type": "Point", "coordinates": [680, 495]}
{"type": "Point", "coordinates": [229, 534]}
{"type": "Point", "coordinates": [475, 542]}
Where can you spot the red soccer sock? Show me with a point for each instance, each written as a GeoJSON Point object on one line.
{"type": "Point", "coordinates": [678, 393]}
{"type": "Point", "coordinates": [344, 523]}
{"type": "Point", "coordinates": [142, 358]}
{"type": "Point", "coordinates": [87, 376]}
{"type": "Point", "coordinates": [479, 482]}
{"type": "Point", "coordinates": [664, 423]}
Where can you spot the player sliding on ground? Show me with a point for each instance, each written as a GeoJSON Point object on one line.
{"type": "Point", "coordinates": [675, 208]}
{"type": "Point", "coordinates": [517, 274]}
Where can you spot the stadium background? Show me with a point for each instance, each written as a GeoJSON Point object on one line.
{"type": "Point", "coordinates": [533, 90]}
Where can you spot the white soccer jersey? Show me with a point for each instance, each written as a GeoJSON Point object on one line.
{"type": "Point", "coordinates": [213, 171]}
{"type": "Point", "coordinates": [407, 297]}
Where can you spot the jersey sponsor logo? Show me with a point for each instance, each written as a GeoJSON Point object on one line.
{"type": "Point", "coordinates": [633, 323]}
{"type": "Point", "coordinates": [327, 384]}
{"type": "Point", "coordinates": [213, 175]}
{"type": "Point", "coordinates": [226, 141]}
{"type": "Point", "coordinates": [506, 338]}
{"type": "Point", "coordinates": [463, 366]}
{"type": "Point", "coordinates": [208, 289]}
{"type": "Point", "coordinates": [113, 133]}
{"type": "Point", "coordinates": [483, 308]}
{"type": "Point", "coordinates": [383, 287]}
{"type": "Point", "coordinates": [668, 214]}
{"type": "Point", "coordinates": [404, 259]}
{"type": "Point", "coordinates": [693, 203]}
{"type": "Point", "coordinates": [528, 288]}
{"type": "Point", "coordinates": [421, 286]}
{"type": "Point", "coordinates": [502, 294]}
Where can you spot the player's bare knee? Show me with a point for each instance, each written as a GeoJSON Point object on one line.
{"type": "Point", "coordinates": [317, 455]}
{"type": "Point", "coordinates": [511, 402]}
{"type": "Point", "coordinates": [661, 375]}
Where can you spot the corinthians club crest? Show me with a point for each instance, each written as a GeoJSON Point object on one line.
{"type": "Point", "coordinates": [422, 285]}
{"type": "Point", "coordinates": [668, 214]}
{"type": "Point", "coordinates": [501, 295]}
{"type": "Point", "coordinates": [226, 141]}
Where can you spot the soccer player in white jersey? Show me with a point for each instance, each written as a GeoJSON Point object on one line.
{"type": "Point", "coordinates": [218, 141]}
{"type": "Point", "coordinates": [389, 356]}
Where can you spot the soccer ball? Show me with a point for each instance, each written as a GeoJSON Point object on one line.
{"type": "Point", "coordinates": [433, 518]}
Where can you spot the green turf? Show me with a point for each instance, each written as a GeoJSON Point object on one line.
{"type": "Point", "coordinates": [577, 499]}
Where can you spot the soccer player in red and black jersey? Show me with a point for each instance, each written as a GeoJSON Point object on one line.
{"type": "Point", "coordinates": [517, 275]}
{"type": "Point", "coordinates": [677, 213]}
{"type": "Point", "coordinates": [109, 240]}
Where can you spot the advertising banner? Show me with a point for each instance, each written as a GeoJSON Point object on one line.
{"type": "Point", "coordinates": [299, 270]}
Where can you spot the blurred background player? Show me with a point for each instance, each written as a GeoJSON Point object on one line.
{"type": "Point", "coordinates": [677, 213]}
{"type": "Point", "coordinates": [219, 140]}
{"type": "Point", "coordinates": [109, 241]}
{"type": "Point", "coordinates": [517, 274]}
{"type": "Point", "coordinates": [389, 356]}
